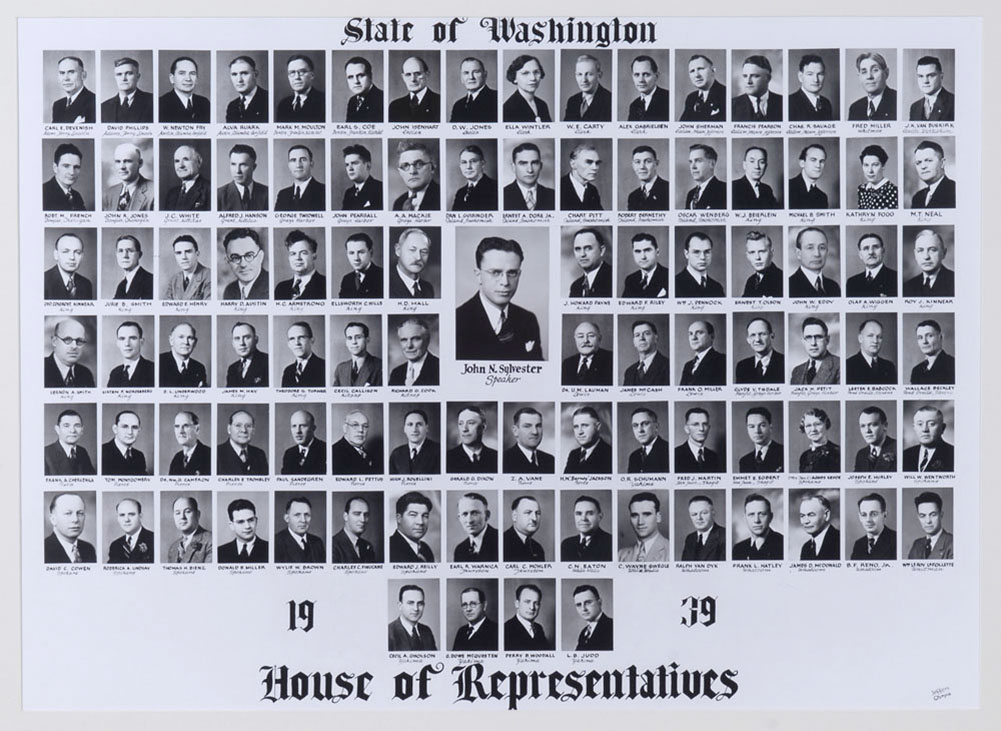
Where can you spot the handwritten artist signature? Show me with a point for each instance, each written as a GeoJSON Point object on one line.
{"type": "Point", "coordinates": [940, 693]}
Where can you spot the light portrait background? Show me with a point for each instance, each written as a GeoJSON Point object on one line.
{"type": "Point", "coordinates": [911, 182]}
{"type": "Point", "coordinates": [624, 174]}
{"type": "Point", "coordinates": [547, 86]}
{"type": "Point", "coordinates": [282, 356]}
{"type": "Point", "coordinates": [374, 530]}
{"type": "Point", "coordinates": [568, 75]}
{"type": "Point", "coordinates": [396, 87]}
{"type": "Point", "coordinates": [111, 530]}
{"type": "Point", "coordinates": [168, 175]}
{"type": "Point", "coordinates": [88, 357]}
{"type": "Point", "coordinates": [740, 267]}
{"type": "Point", "coordinates": [738, 520]}
{"type": "Point", "coordinates": [606, 170]}
{"type": "Point", "coordinates": [796, 535]}
{"type": "Point", "coordinates": [111, 356]}
{"type": "Point", "coordinates": [683, 521]}
{"type": "Point", "coordinates": [571, 623]}
{"type": "Point", "coordinates": [91, 429]}
{"type": "Point", "coordinates": [88, 262]}
{"type": "Point", "coordinates": [167, 445]}
{"type": "Point", "coordinates": [831, 89]}
{"type": "Point", "coordinates": [202, 351]}
{"type": "Point", "coordinates": [549, 427]}
{"type": "Point", "coordinates": [569, 268]}
{"type": "Point", "coordinates": [853, 87]}
{"type": "Point", "coordinates": [147, 430]}
{"type": "Point", "coordinates": [546, 533]}
{"type": "Point", "coordinates": [454, 532]}
{"type": "Point", "coordinates": [627, 355]}
{"type": "Point", "coordinates": [452, 177]}
{"type": "Point", "coordinates": [109, 89]}
{"type": "Point", "coordinates": [624, 91]}
{"type": "Point", "coordinates": [85, 182]}
{"type": "Point", "coordinates": [683, 84]}
{"type": "Point", "coordinates": [53, 91]}
{"type": "Point", "coordinates": [716, 441]}
{"type": "Point", "coordinates": [395, 435]}
{"type": "Point", "coordinates": [167, 531]}
{"type": "Point", "coordinates": [798, 441]}
{"type": "Point", "coordinates": [454, 89]}
{"type": "Point", "coordinates": [91, 519]}
{"type": "Point", "coordinates": [395, 351]}
{"type": "Point", "coordinates": [224, 91]}
{"type": "Point", "coordinates": [741, 442]}
{"type": "Point", "coordinates": [111, 273]}
{"type": "Point", "coordinates": [626, 535]}
{"type": "Point", "coordinates": [432, 270]}
{"type": "Point", "coordinates": [775, 84]}
{"type": "Point", "coordinates": [830, 179]}
{"type": "Point", "coordinates": [832, 267]}
{"type": "Point", "coordinates": [773, 171]}
{"type": "Point", "coordinates": [167, 262]}
{"type": "Point", "coordinates": [433, 535]}
{"type": "Point", "coordinates": [109, 171]}
{"type": "Point", "coordinates": [910, 408]}
{"type": "Point", "coordinates": [797, 350]}
{"type": "Point", "coordinates": [853, 166]}
{"type": "Point", "coordinates": [224, 272]}
{"type": "Point", "coordinates": [910, 234]}
{"type": "Point", "coordinates": [224, 534]}
{"type": "Point", "coordinates": [888, 350]}
{"type": "Point", "coordinates": [627, 442]}
{"type": "Point", "coordinates": [338, 78]}
{"type": "Point", "coordinates": [339, 181]}
{"type": "Point", "coordinates": [853, 236]}
{"type": "Point", "coordinates": [682, 181]}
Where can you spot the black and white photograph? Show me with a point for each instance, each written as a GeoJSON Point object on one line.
{"type": "Point", "coordinates": [927, 163]}
{"type": "Point", "coordinates": [871, 178]}
{"type": "Point", "coordinates": [587, 171]}
{"type": "Point", "coordinates": [71, 265]}
{"type": "Point", "coordinates": [300, 362]}
{"type": "Point", "coordinates": [357, 86]}
{"type": "Point", "coordinates": [357, 262]}
{"type": "Point", "coordinates": [127, 520]}
{"type": "Point", "coordinates": [755, 523]}
{"type": "Point", "coordinates": [699, 261]}
{"type": "Point", "coordinates": [585, 84]}
{"type": "Point", "coordinates": [471, 84]}
{"type": "Point", "coordinates": [128, 351]}
{"type": "Point", "coordinates": [758, 437]}
{"type": "Point", "coordinates": [70, 352]}
{"type": "Point", "coordinates": [530, 92]}
{"type": "Point", "coordinates": [644, 526]}
{"type": "Point", "coordinates": [471, 171]}
{"type": "Point", "coordinates": [414, 440]}
{"type": "Point", "coordinates": [700, 166]}
{"type": "Point", "coordinates": [812, 172]}
{"type": "Point", "coordinates": [471, 534]}
{"type": "Point", "coordinates": [530, 524]}
{"type": "Point", "coordinates": [927, 524]}
{"type": "Point", "coordinates": [126, 176]}
{"type": "Point", "coordinates": [586, 615]}
{"type": "Point", "coordinates": [758, 342]}
{"type": "Point", "coordinates": [644, 440]}
{"type": "Point", "coordinates": [582, 537]}
{"type": "Point", "coordinates": [242, 87]}
{"type": "Point", "coordinates": [757, 81]}
{"type": "Point", "coordinates": [70, 437]}
{"type": "Point", "coordinates": [643, 85]}
{"type": "Point", "coordinates": [472, 611]}
{"type": "Point", "coordinates": [185, 440]}
{"type": "Point", "coordinates": [814, 88]}
{"type": "Point", "coordinates": [300, 176]}
{"type": "Point", "coordinates": [185, 348]}
{"type": "Point", "coordinates": [925, 359]}
{"type": "Point", "coordinates": [928, 267]}
{"type": "Point", "coordinates": [68, 95]}
{"type": "Point", "coordinates": [815, 349]}
{"type": "Point", "coordinates": [700, 525]}
{"type": "Point", "coordinates": [127, 438]}
{"type": "Point", "coordinates": [127, 256]}
{"type": "Point", "coordinates": [127, 78]}
{"type": "Point", "coordinates": [357, 174]}
{"type": "Point", "coordinates": [929, 436]}
{"type": "Point", "coordinates": [928, 84]}
{"type": "Point", "coordinates": [870, 78]}
{"type": "Point", "coordinates": [300, 527]}
{"type": "Point", "coordinates": [357, 530]}
{"type": "Point", "coordinates": [184, 82]}
{"type": "Point", "coordinates": [586, 438]}
{"type": "Point", "coordinates": [586, 262]}
{"type": "Point", "coordinates": [644, 346]}
{"type": "Point", "coordinates": [815, 524]}
{"type": "Point", "coordinates": [413, 86]}
{"type": "Point", "coordinates": [413, 607]}
{"type": "Point", "coordinates": [414, 175]}
{"type": "Point", "coordinates": [699, 82]}
{"type": "Point", "coordinates": [414, 524]}
{"type": "Point", "coordinates": [815, 437]}
{"type": "Point", "coordinates": [756, 261]}
{"type": "Point", "coordinates": [243, 440]}
{"type": "Point", "coordinates": [413, 349]}
{"type": "Point", "coordinates": [756, 167]}
{"type": "Point", "coordinates": [700, 437]}
{"type": "Point", "coordinates": [586, 349]}
{"type": "Point", "coordinates": [871, 521]}
{"type": "Point", "coordinates": [873, 446]}
{"type": "Point", "coordinates": [528, 172]}
{"type": "Point", "coordinates": [242, 254]}
{"type": "Point", "coordinates": [356, 350]}
{"type": "Point", "coordinates": [529, 434]}
{"type": "Point", "coordinates": [70, 527]}
{"type": "Point", "coordinates": [530, 608]}
{"type": "Point", "coordinates": [871, 269]}
{"type": "Point", "coordinates": [243, 527]}
{"type": "Point", "coordinates": [471, 438]}
{"type": "Point", "coordinates": [643, 260]}
{"type": "Point", "coordinates": [814, 261]}
{"type": "Point", "coordinates": [357, 439]}
{"type": "Point", "coordinates": [300, 264]}
{"type": "Point", "coordinates": [185, 178]}
{"type": "Point", "coordinates": [244, 350]}
{"type": "Point", "coordinates": [300, 81]}
{"type": "Point", "coordinates": [241, 172]}
{"type": "Point", "coordinates": [301, 439]}
{"type": "Point", "coordinates": [700, 350]}
{"type": "Point", "coordinates": [185, 259]}
{"type": "Point", "coordinates": [415, 262]}
{"type": "Point", "coordinates": [873, 360]}
{"type": "Point", "coordinates": [68, 171]}
{"type": "Point", "coordinates": [185, 527]}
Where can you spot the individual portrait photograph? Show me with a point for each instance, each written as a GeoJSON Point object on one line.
{"type": "Point", "coordinates": [644, 345]}
{"type": "Point", "coordinates": [243, 527]}
{"type": "Point", "coordinates": [243, 440]}
{"type": "Point", "coordinates": [700, 437]}
{"type": "Point", "coordinates": [758, 437]}
{"type": "Point", "coordinates": [874, 361]}
{"type": "Point", "coordinates": [812, 171]}
{"type": "Point", "coordinates": [414, 439]}
{"type": "Point", "coordinates": [925, 345]}
{"type": "Point", "coordinates": [358, 81]}
{"type": "Point", "coordinates": [71, 266]}
{"type": "Point", "coordinates": [700, 166]}
{"type": "Point", "coordinates": [874, 445]}
{"type": "Point", "coordinates": [874, 178]}
{"type": "Point", "coordinates": [127, 439]}
{"type": "Point", "coordinates": [584, 361]}
{"type": "Point", "coordinates": [927, 524]}
{"type": "Point", "coordinates": [529, 526]}
{"type": "Point", "coordinates": [643, 85]}
{"type": "Point", "coordinates": [757, 84]}
{"type": "Point", "coordinates": [185, 259]}
{"type": "Point", "coordinates": [586, 82]}
{"type": "Point", "coordinates": [471, 170]}
{"type": "Point", "coordinates": [758, 339]}
{"type": "Point", "coordinates": [127, 175]}
{"type": "Point", "coordinates": [70, 433]}
{"type": "Point", "coordinates": [643, 260]}
{"type": "Point", "coordinates": [241, 173]}
{"type": "Point", "coordinates": [184, 81]}
{"type": "Point", "coordinates": [588, 169]}
{"type": "Point", "coordinates": [70, 352]}
{"type": "Point", "coordinates": [471, 83]}
{"type": "Point", "coordinates": [358, 530]}
{"type": "Point", "coordinates": [128, 521]}
{"type": "Point", "coordinates": [531, 606]}
{"type": "Point", "coordinates": [413, 607]}
{"type": "Point", "coordinates": [245, 350]}
{"type": "Point", "coordinates": [243, 270]}
{"type": "Point", "coordinates": [643, 168]}
{"type": "Point", "coordinates": [471, 534]}
{"type": "Point", "coordinates": [357, 262]}
{"type": "Point", "coordinates": [699, 80]}
{"type": "Point", "coordinates": [814, 261]}
{"type": "Point", "coordinates": [756, 171]}
{"type": "Point", "coordinates": [300, 275]}
{"type": "Point", "coordinates": [185, 440]}
{"type": "Point", "coordinates": [357, 172]}
{"type": "Point", "coordinates": [300, 81]}
{"type": "Point", "coordinates": [185, 167]}
{"type": "Point", "coordinates": [871, 519]}
{"type": "Point", "coordinates": [530, 92]}
{"type": "Point", "coordinates": [300, 176]}
{"type": "Point", "coordinates": [414, 86]}
{"type": "Point", "coordinates": [583, 538]}
{"type": "Point", "coordinates": [928, 75]}
{"type": "Point", "coordinates": [128, 351]}
{"type": "Point", "coordinates": [586, 437]}
{"type": "Point", "coordinates": [301, 438]}
{"type": "Point", "coordinates": [68, 171]}
{"type": "Point", "coordinates": [67, 94]}
{"type": "Point", "coordinates": [471, 437]}
{"type": "Point", "coordinates": [302, 362]}
{"type": "Point", "coordinates": [300, 526]}
{"type": "Point", "coordinates": [929, 436]}
{"type": "Point", "coordinates": [870, 75]}
{"type": "Point", "coordinates": [929, 268]}
{"type": "Point", "coordinates": [414, 525]}
{"type": "Point", "coordinates": [815, 524]}
{"type": "Point", "coordinates": [586, 261]}
{"type": "Point", "coordinates": [644, 526]}
{"type": "Point", "coordinates": [873, 270]}
{"type": "Point", "coordinates": [529, 437]}
{"type": "Point", "coordinates": [815, 437]}
{"type": "Point", "coordinates": [416, 184]}
{"type": "Point", "coordinates": [70, 527]}
{"type": "Point", "coordinates": [241, 87]}
{"type": "Point", "coordinates": [753, 512]}
{"type": "Point", "coordinates": [756, 261]}
{"type": "Point", "coordinates": [358, 439]}
{"type": "Point", "coordinates": [927, 164]}
{"type": "Point", "coordinates": [528, 172]}
{"type": "Point", "coordinates": [700, 517]}
{"type": "Point", "coordinates": [586, 615]}
{"type": "Point", "coordinates": [700, 344]}
{"type": "Point", "coordinates": [815, 89]}
{"type": "Point", "coordinates": [185, 527]}
{"type": "Point", "coordinates": [472, 614]}
{"type": "Point", "coordinates": [700, 261]}
{"type": "Point", "coordinates": [814, 349]}
{"type": "Point", "coordinates": [357, 351]}
{"type": "Point", "coordinates": [412, 344]}
{"type": "Point", "coordinates": [124, 273]}
{"type": "Point", "coordinates": [644, 440]}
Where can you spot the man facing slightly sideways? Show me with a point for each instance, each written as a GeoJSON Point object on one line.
{"type": "Point", "coordinates": [880, 451]}
{"type": "Point", "coordinates": [406, 633]}
{"type": "Point", "coordinates": [877, 280]}
{"type": "Point", "coordinates": [519, 545]}
{"type": "Point", "coordinates": [67, 516]}
{"type": "Point", "coordinates": [708, 541]}
{"type": "Point", "coordinates": [306, 282]}
{"type": "Point", "coordinates": [134, 371]}
{"type": "Point", "coordinates": [522, 633]}
{"type": "Point", "coordinates": [137, 283]}
{"type": "Point", "coordinates": [938, 367]}
{"type": "Point", "coordinates": [193, 457]}
{"type": "Point", "coordinates": [421, 368]}
{"type": "Point", "coordinates": [471, 455]}
{"type": "Point", "coordinates": [119, 455]}
{"type": "Point", "coordinates": [694, 279]}
{"type": "Point", "coordinates": [413, 518]}
{"type": "Point", "coordinates": [597, 632]}
{"type": "Point", "coordinates": [237, 456]}
{"type": "Point", "coordinates": [591, 543]}
{"type": "Point", "coordinates": [767, 455]}
{"type": "Point", "coordinates": [525, 192]}
{"type": "Point", "coordinates": [653, 453]}
{"type": "Point", "coordinates": [66, 456]}
{"type": "Point", "coordinates": [880, 101]}
{"type": "Point", "coordinates": [822, 367]}
{"type": "Point", "coordinates": [709, 192]}
{"type": "Point", "coordinates": [593, 103]}
{"type": "Point", "coordinates": [653, 103]}
{"type": "Point", "coordinates": [651, 545]}
{"type": "Point", "coordinates": [246, 546]}
{"type": "Point", "coordinates": [708, 102]}
{"type": "Point", "coordinates": [193, 281]}
{"type": "Point", "coordinates": [420, 104]}
{"type": "Point", "coordinates": [308, 454]}
{"type": "Point", "coordinates": [194, 544]}
{"type": "Point", "coordinates": [937, 543]}
{"type": "Point", "coordinates": [250, 370]}
{"type": "Point", "coordinates": [362, 369]}
{"type": "Point", "coordinates": [488, 326]}
{"type": "Point", "coordinates": [58, 193]}
{"type": "Point", "coordinates": [651, 279]}
{"type": "Point", "coordinates": [763, 544]}
{"type": "Point", "coordinates": [79, 105]}
{"type": "Point", "coordinates": [416, 167]}
{"type": "Point", "coordinates": [297, 544]}
{"type": "Point", "coordinates": [766, 279]}
{"type": "Point", "coordinates": [866, 367]}
{"type": "Point", "coordinates": [479, 633]}
{"type": "Point", "coordinates": [593, 455]}
{"type": "Point", "coordinates": [181, 104]}
{"type": "Point", "coordinates": [413, 251]}
{"type": "Point", "coordinates": [306, 192]}
{"type": "Point", "coordinates": [767, 365]}
{"type": "Point", "coordinates": [63, 281]}
{"type": "Point", "coordinates": [353, 454]}
{"type": "Point", "coordinates": [824, 543]}
{"type": "Point", "coordinates": [308, 370]}
{"type": "Point", "coordinates": [242, 192]}
{"type": "Point", "coordinates": [480, 545]}
{"type": "Point", "coordinates": [935, 278]}
{"type": "Point", "coordinates": [134, 192]}
{"type": "Point", "coordinates": [62, 367]}
{"type": "Point", "coordinates": [932, 453]}
{"type": "Point", "coordinates": [757, 103]}
{"type": "Point", "coordinates": [577, 189]}
{"type": "Point", "coordinates": [749, 192]}
{"type": "Point", "coordinates": [807, 104]}
{"type": "Point", "coordinates": [366, 100]}
{"type": "Point", "coordinates": [880, 541]}
{"type": "Point", "coordinates": [130, 105]}
{"type": "Point", "coordinates": [937, 104]}
{"type": "Point", "coordinates": [420, 455]}
{"type": "Point", "coordinates": [305, 104]}
{"type": "Point", "coordinates": [192, 193]}
{"type": "Point", "coordinates": [136, 544]}
{"type": "Point", "coordinates": [707, 366]}
{"type": "Point", "coordinates": [364, 281]}
{"type": "Point", "coordinates": [939, 189]}
{"type": "Point", "coordinates": [480, 191]}
{"type": "Point", "coordinates": [808, 280]}
{"type": "Point", "coordinates": [365, 191]}
{"type": "Point", "coordinates": [246, 260]}
{"type": "Point", "coordinates": [589, 252]}
{"type": "Point", "coordinates": [652, 367]}
{"type": "Point", "coordinates": [804, 188]}
{"type": "Point", "coordinates": [591, 365]}
{"type": "Point", "coordinates": [251, 103]}
{"type": "Point", "coordinates": [479, 104]}
{"type": "Point", "coordinates": [525, 456]}
{"type": "Point", "coordinates": [347, 545]}
{"type": "Point", "coordinates": [694, 455]}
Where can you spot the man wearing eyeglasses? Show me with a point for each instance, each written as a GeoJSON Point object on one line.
{"type": "Point", "coordinates": [305, 104]}
{"type": "Point", "coordinates": [62, 366]}
{"type": "Point", "coordinates": [353, 454]}
{"type": "Point", "coordinates": [246, 258]}
{"type": "Point", "coordinates": [417, 170]}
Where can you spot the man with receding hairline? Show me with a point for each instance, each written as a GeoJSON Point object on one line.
{"type": "Point", "coordinates": [251, 103]}
{"type": "Point", "coordinates": [63, 280]}
{"type": "Point", "coordinates": [62, 367]}
{"type": "Point", "coordinates": [193, 457]}
{"type": "Point", "coordinates": [479, 104]}
{"type": "Point", "coordinates": [419, 104]}
{"type": "Point", "coordinates": [308, 453]}
{"type": "Point", "coordinates": [66, 456]}
{"type": "Point", "coordinates": [130, 104]}
{"type": "Point", "coordinates": [593, 103]}
{"type": "Point", "coordinates": [181, 104]}
{"type": "Point", "coordinates": [79, 105]}
{"type": "Point", "coordinates": [137, 544]}
{"type": "Point", "coordinates": [306, 103]}
{"type": "Point", "coordinates": [524, 456]}
{"type": "Point", "coordinates": [67, 516]}
{"type": "Point", "coordinates": [134, 192]}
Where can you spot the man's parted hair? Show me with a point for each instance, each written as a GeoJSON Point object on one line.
{"type": "Point", "coordinates": [359, 150]}
{"type": "Point", "coordinates": [123, 412]}
{"type": "Point", "coordinates": [811, 146]}
{"type": "Point", "coordinates": [242, 149]}
{"type": "Point", "coordinates": [241, 233]}
{"type": "Point", "coordinates": [581, 588]}
{"type": "Point", "coordinates": [809, 58]}
{"type": "Point", "coordinates": [814, 321]}
{"type": "Point", "coordinates": [758, 236]}
{"type": "Point", "coordinates": [644, 410]}
{"type": "Point", "coordinates": [496, 243]}
{"type": "Point", "coordinates": [708, 151]}
{"type": "Point", "coordinates": [517, 501]}
{"type": "Point", "coordinates": [525, 147]}
{"type": "Point", "coordinates": [759, 411]}
{"type": "Point", "coordinates": [300, 57]}
{"type": "Point", "coordinates": [588, 499]}
{"type": "Point", "coordinates": [295, 236]}
{"type": "Point", "coordinates": [930, 61]}
{"type": "Point", "coordinates": [240, 504]}
{"type": "Point", "coordinates": [647, 59]}
{"type": "Point", "coordinates": [925, 497]}
{"type": "Point", "coordinates": [877, 57]}
{"type": "Point", "coordinates": [582, 147]}
{"type": "Point", "coordinates": [66, 148]}
{"type": "Point", "coordinates": [298, 499]}
{"type": "Point", "coordinates": [700, 499]}
{"type": "Point", "coordinates": [133, 239]}
{"type": "Point", "coordinates": [523, 587]}
{"type": "Point", "coordinates": [873, 410]}
{"type": "Point", "coordinates": [873, 496]}
{"type": "Point", "coordinates": [412, 498]}
{"type": "Point", "coordinates": [359, 60]}
{"type": "Point", "coordinates": [362, 325]}
{"type": "Point", "coordinates": [304, 325]}
{"type": "Point", "coordinates": [130, 323]}
{"type": "Point", "coordinates": [645, 497]}
{"type": "Point", "coordinates": [173, 64]}
{"type": "Point", "coordinates": [761, 62]}
{"type": "Point", "coordinates": [409, 587]}
{"type": "Point", "coordinates": [755, 497]}
{"type": "Point", "coordinates": [244, 59]}
{"type": "Point", "coordinates": [523, 411]}
{"type": "Point", "coordinates": [930, 145]}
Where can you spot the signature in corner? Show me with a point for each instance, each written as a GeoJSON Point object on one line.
{"type": "Point", "coordinates": [940, 693]}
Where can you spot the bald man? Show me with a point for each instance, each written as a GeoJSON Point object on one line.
{"type": "Point", "coordinates": [131, 191]}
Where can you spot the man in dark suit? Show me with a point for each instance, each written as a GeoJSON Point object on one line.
{"type": "Point", "coordinates": [807, 104]}
{"type": "Point", "coordinates": [58, 193]}
{"type": "Point", "coordinates": [763, 544]}
{"type": "Point", "coordinates": [245, 255]}
{"type": "Point", "coordinates": [593, 456]}
{"type": "Point", "coordinates": [79, 106]}
{"type": "Point", "coordinates": [181, 104]}
{"type": "Point", "coordinates": [525, 192]}
{"type": "Point", "coordinates": [653, 103]}
{"type": "Point", "coordinates": [653, 453]}
{"type": "Point", "coordinates": [237, 456]}
{"type": "Point", "coordinates": [767, 455]}
{"type": "Point", "coordinates": [242, 193]}
{"type": "Point", "coordinates": [577, 189]}
{"type": "Point", "coordinates": [866, 368]}
{"type": "Point", "coordinates": [353, 453]}
{"type": "Point", "coordinates": [767, 365]}
{"type": "Point", "coordinates": [821, 367]}
{"type": "Point", "coordinates": [804, 189]}
{"type": "Point", "coordinates": [597, 631]}
{"type": "Point", "coordinates": [133, 192]}
{"type": "Point", "coordinates": [347, 545]}
{"type": "Point", "coordinates": [251, 103]}
{"type": "Point", "coordinates": [137, 544]}
{"type": "Point", "coordinates": [420, 104]}
{"type": "Point", "coordinates": [488, 326]}
{"type": "Point", "coordinates": [708, 102]}
{"type": "Point", "coordinates": [66, 456]}
{"type": "Point", "coordinates": [651, 279]}
{"type": "Point", "coordinates": [694, 279]}
{"type": "Point", "coordinates": [708, 366]}
{"type": "Point", "coordinates": [766, 280]}
{"type": "Point", "coordinates": [362, 369]}
{"type": "Point", "coordinates": [940, 190]}
{"type": "Point", "coordinates": [421, 367]}
{"type": "Point", "coordinates": [413, 518]}
{"type": "Point", "coordinates": [417, 167]}
{"type": "Point", "coordinates": [62, 367]}
{"type": "Point", "coordinates": [246, 546]}
{"type": "Point", "coordinates": [177, 368]}
{"type": "Point", "coordinates": [419, 455]}
{"type": "Point", "coordinates": [525, 456]}
{"type": "Point", "coordinates": [137, 284]}
{"type": "Point", "coordinates": [406, 633]}
{"type": "Point", "coordinates": [308, 454]}
{"type": "Point", "coordinates": [305, 104]}
{"type": "Point", "coordinates": [62, 281]}
{"type": "Point", "coordinates": [525, 519]}
{"type": "Point", "coordinates": [479, 634]}
{"type": "Point", "coordinates": [937, 542]}
{"type": "Point", "coordinates": [880, 101]}
{"type": "Point", "coordinates": [932, 453]}
{"type": "Point", "coordinates": [589, 251]}
{"type": "Point", "coordinates": [306, 192]}
{"type": "Point", "coordinates": [877, 280]}
{"type": "Point", "coordinates": [67, 516]}
{"type": "Point", "coordinates": [591, 365]}
{"type": "Point", "coordinates": [365, 280]}
{"type": "Point", "coordinates": [824, 543]}
{"type": "Point", "coordinates": [757, 103]}
{"type": "Point", "coordinates": [522, 633]}
{"type": "Point", "coordinates": [480, 102]}
{"type": "Point", "coordinates": [652, 368]}
{"type": "Point", "coordinates": [935, 279]}
{"type": "Point", "coordinates": [250, 370]}
{"type": "Point", "coordinates": [193, 457]}
{"type": "Point", "coordinates": [938, 367]}
{"type": "Point", "coordinates": [366, 101]}
{"type": "Point", "coordinates": [119, 455]}
{"type": "Point", "coordinates": [194, 543]}
{"type": "Point", "coordinates": [131, 105]}
{"type": "Point", "coordinates": [708, 541]}
{"type": "Point", "coordinates": [808, 280]}
{"type": "Point", "coordinates": [653, 193]}
{"type": "Point", "coordinates": [709, 191]}
{"type": "Point", "coordinates": [880, 451]}
{"type": "Point", "coordinates": [880, 541]}
{"type": "Point", "coordinates": [365, 191]}
{"type": "Point", "coordinates": [297, 544]}
{"type": "Point", "coordinates": [480, 191]}
{"type": "Point", "coordinates": [193, 192]}
{"type": "Point", "coordinates": [936, 103]}
{"type": "Point", "coordinates": [593, 103]}
{"type": "Point", "coordinates": [480, 545]}
{"type": "Point", "coordinates": [135, 371]}
{"type": "Point", "coordinates": [693, 455]}
{"type": "Point", "coordinates": [471, 455]}
{"type": "Point", "coordinates": [306, 282]}
{"type": "Point", "coordinates": [749, 193]}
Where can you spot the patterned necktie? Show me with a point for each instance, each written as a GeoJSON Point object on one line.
{"type": "Point", "coordinates": [359, 101]}
{"type": "Point", "coordinates": [811, 372]}
{"type": "Point", "coordinates": [924, 460]}
{"type": "Point", "coordinates": [296, 288]}
{"type": "Point", "coordinates": [75, 554]}
{"type": "Point", "coordinates": [701, 459]}
{"type": "Point", "coordinates": [640, 370]}
{"type": "Point", "coordinates": [128, 547]}
{"type": "Point", "coordinates": [243, 455]}
{"type": "Point", "coordinates": [928, 108]}
{"type": "Point", "coordinates": [530, 200]}
{"type": "Point", "coordinates": [873, 456]}
{"type": "Point", "coordinates": [302, 456]}
{"type": "Point", "coordinates": [71, 285]}
{"type": "Point", "coordinates": [759, 455]}
{"type": "Point", "coordinates": [927, 550]}
{"type": "Point", "coordinates": [411, 376]}
{"type": "Point", "coordinates": [872, 543]}
{"type": "Point", "coordinates": [73, 456]}
{"type": "Point", "coordinates": [871, 112]}
{"type": "Point", "coordinates": [410, 203]}
{"type": "Point", "coordinates": [505, 334]}
{"type": "Point", "coordinates": [583, 367]}
{"type": "Point", "coordinates": [583, 106]}
{"type": "Point", "coordinates": [641, 554]}
{"type": "Point", "coordinates": [187, 281]}
{"type": "Point", "coordinates": [124, 199]}
{"type": "Point", "coordinates": [70, 377]}
{"type": "Point", "coordinates": [358, 281]}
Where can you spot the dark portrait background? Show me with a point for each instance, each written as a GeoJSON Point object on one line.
{"type": "Point", "coordinates": [948, 409]}
{"type": "Point", "coordinates": [224, 334]}
{"type": "Point", "coordinates": [224, 272]}
{"type": "Point", "coordinates": [832, 267]}
{"type": "Point", "coordinates": [570, 621]}
{"type": "Point", "coordinates": [624, 527]}
{"type": "Point", "coordinates": [624, 340]}
{"type": "Point", "coordinates": [454, 533]}
{"type": "Point", "coordinates": [606, 171]}
{"type": "Point", "coordinates": [490, 411]}
{"type": "Point", "coordinates": [740, 348]}
{"type": "Point", "coordinates": [626, 442]}
{"type": "Point", "coordinates": [910, 265]}
{"type": "Point", "coordinates": [338, 76]}
{"type": "Point", "coordinates": [683, 351]}
{"type": "Point", "coordinates": [222, 172]}
{"type": "Point", "coordinates": [546, 534]}
{"type": "Point", "coordinates": [738, 521]}
{"type": "Point", "coordinates": [88, 415]}
{"type": "Point", "coordinates": [853, 166]}
{"type": "Point", "coordinates": [147, 429]}
{"type": "Point", "coordinates": [569, 268]}
{"type": "Point", "coordinates": [797, 351]}
{"type": "Point", "coordinates": [223, 533]}
{"type": "Point", "coordinates": [318, 514]}
{"type": "Point", "coordinates": [547, 151]}
{"type": "Point", "coordinates": [453, 179]}
{"type": "Point", "coordinates": [853, 526]}
{"type": "Point", "coordinates": [606, 432]}
{"type": "Point", "coordinates": [282, 357]}
{"type": "Point", "coordinates": [109, 89]}
{"type": "Point", "coordinates": [339, 265]}
{"type": "Point", "coordinates": [432, 270]}
{"type": "Point", "coordinates": [683, 522]}
{"type": "Point", "coordinates": [830, 180]}
{"type": "Point", "coordinates": [454, 620]}
{"type": "Point", "coordinates": [167, 264]}
{"type": "Point", "coordinates": [51, 90]}
{"type": "Point", "coordinates": [393, 349]}
{"type": "Point", "coordinates": [111, 356]}
{"type": "Point", "coordinates": [910, 92]}
{"type": "Point", "coordinates": [339, 351]}
{"type": "Point", "coordinates": [85, 183]}
{"type": "Point", "coordinates": [111, 273]}
{"type": "Point", "coordinates": [280, 87]}
{"type": "Point", "coordinates": [831, 89]}
{"type": "Point", "coordinates": [549, 426]}
{"type": "Point", "coordinates": [89, 356]}
{"type": "Point", "coordinates": [224, 91]}
{"type": "Point", "coordinates": [741, 442]}
{"type": "Point", "coordinates": [279, 257]}
{"type": "Point", "coordinates": [568, 529]}
{"type": "Point", "coordinates": [109, 176]}
{"type": "Point", "coordinates": [853, 88]}
{"type": "Point", "coordinates": [338, 177]}
{"type": "Point", "coordinates": [626, 264]}
{"type": "Point", "coordinates": [889, 322]}
{"type": "Point", "coordinates": [375, 441]}
{"type": "Point", "coordinates": [111, 530]}
{"type": "Point", "coordinates": [910, 526]}
{"type": "Point", "coordinates": [398, 410]}
{"type": "Point", "coordinates": [547, 87]}
{"type": "Point", "coordinates": [853, 235]}
{"type": "Point", "coordinates": [798, 442]}
{"type": "Point", "coordinates": [168, 176]}
{"type": "Point", "coordinates": [203, 60]}
{"type": "Point", "coordinates": [717, 267]}
{"type": "Point", "coordinates": [432, 605]}
{"type": "Point", "coordinates": [167, 532]}
{"type": "Point", "coordinates": [910, 354]}
{"type": "Point", "coordinates": [202, 351]}
{"type": "Point", "coordinates": [717, 426]}
{"type": "Point", "coordinates": [682, 181]}
{"type": "Point", "coordinates": [624, 89]}
{"type": "Point", "coordinates": [547, 607]}
{"type": "Point", "coordinates": [773, 172]}
{"type": "Point", "coordinates": [434, 532]}
{"type": "Point", "coordinates": [604, 323]}
{"type": "Point", "coordinates": [262, 428]}
{"type": "Point", "coordinates": [88, 262]}
{"type": "Point", "coordinates": [683, 84]}
{"type": "Point", "coordinates": [168, 445]}
{"type": "Point", "coordinates": [740, 266]}
{"type": "Point", "coordinates": [283, 432]}
{"type": "Point", "coordinates": [454, 88]}
{"type": "Point", "coordinates": [853, 435]}
{"type": "Point", "coordinates": [628, 182]}
{"type": "Point", "coordinates": [374, 531]}
{"type": "Point", "coordinates": [568, 78]}
{"type": "Point", "coordinates": [912, 183]}
{"type": "Point", "coordinates": [775, 84]}
{"type": "Point", "coordinates": [395, 86]}
{"type": "Point", "coordinates": [282, 176]}
{"type": "Point", "coordinates": [89, 498]}
{"type": "Point", "coordinates": [796, 536]}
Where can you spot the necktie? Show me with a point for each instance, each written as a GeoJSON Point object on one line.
{"type": "Point", "coordinates": [128, 547]}
{"type": "Point", "coordinates": [354, 372]}
{"type": "Point", "coordinates": [244, 367]}
{"type": "Point", "coordinates": [873, 456]}
{"type": "Point", "coordinates": [245, 198]}
{"type": "Point", "coordinates": [702, 539]}
{"type": "Point", "coordinates": [70, 377]}
{"type": "Point", "coordinates": [75, 554]}
{"type": "Point", "coordinates": [246, 102]}
{"type": "Point", "coordinates": [71, 285]}
{"type": "Point", "coordinates": [758, 114]}
{"type": "Point", "coordinates": [925, 459]}
{"type": "Point", "coordinates": [583, 106]}
{"type": "Point", "coordinates": [701, 459]}
{"type": "Point", "coordinates": [646, 192]}
{"type": "Point", "coordinates": [468, 194]}
{"type": "Point", "coordinates": [583, 455]}
{"type": "Point", "coordinates": [469, 631]}
{"type": "Point", "coordinates": [927, 550]}
{"type": "Point", "coordinates": [244, 554]}
{"type": "Point", "coordinates": [760, 368]}
{"type": "Point", "coordinates": [297, 104]}
{"type": "Point", "coordinates": [811, 550]}
{"type": "Point", "coordinates": [535, 459]}
{"type": "Point", "coordinates": [184, 367]}
{"type": "Point", "coordinates": [296, 197]}
{"type": "Point", "coordinates": [417, 288]}
{"type": "Point", "coordinates": [476, 457]}
{"type": "Point", "coordinates": [128, 454]}
{"type": "Point", "coordinates": [189, 107]}
{"type": "Point", "coordinates": [69, 196]}
{"type": "Point", "coordinates": [414, 105]}
{"type": "Point", "coordinates": [359, 101]}
{"type": "Point", "coordinates": [871, 112]}
{"type": "Point", "coordinates": [872, 542]}
{"type": "Point", "coordinates": [411, 377]}
{"type": "Point", "coordinates": [415, 639]}
{"type": "Point", "coordinates": [469, 100]}
{"type": "Point", "coordinates": [759, 455]}
{"type": "Point", "coordinates": [582, 368]}
{"type": "Point", "coordinates": [302, 456]}
{"type": "Point", "coordinates": [69, 101]}
{"type": "Point", "coordinates": [187, 281]}
{"type": "Point", "coordinates": [296, 286]}
{"type": "Point", "coordinates": [358, 548]}
{"type": "Point", "coordinates": [820, 285]}
{"type": "Point", "coordinates": [73, 456]}
{"type": "Point", "coordinates": [640, 370]}
{"type": "Point", "coordinates": [186, 459]}
{"type": "Point", "coordinates": [298, 371]}
{"type": "Point", "coordinates": [413, 456]}
{"type": "Point", "coordinates": [641, 553]}
{"type": "Point", "coordinates": [926, 285]}
{"type": "Point", "coordinates": [530, 200]}
{"type": "Point", "coordinates": [705, 282]}
{"type": "Point", "coordinates": [302, 543]}
{"type": "Point", "coordinates": [124, 199]}
{"type": "Point", "coordinates": [811, 372]}
{"type": "Point", "coordinates": [645, 280]}
{"type": "Point", "coordinates": [180, 550]}
{"type": "Point", "coordinates": [505, 334]}
{"type": "Point", "coordinates": [757, 190]}
{"type": "Point", "coordinates": [928, 108]}
{"type": "Point", "coordinates": [358, 281]}
{"type": "Point", "coordinates": [243, 455]}
{"type": "Point", "coordinates": [411, 201]}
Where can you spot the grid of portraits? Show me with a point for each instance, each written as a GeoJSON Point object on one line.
{"type": "Point", "coordinates": [506, 324]}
